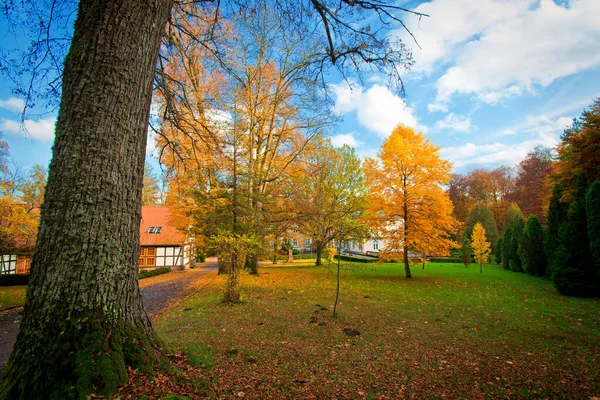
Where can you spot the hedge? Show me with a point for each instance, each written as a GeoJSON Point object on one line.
{"type": "Point", "coordinates": [14, 279]}
{"type": "Point", "coordinates": [356, 259]}
{"type": "Point", "coordinates": [446, 260]}
{"type": "Point", "coordinates": [150, 273]}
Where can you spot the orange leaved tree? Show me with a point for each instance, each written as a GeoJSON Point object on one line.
{"type": "Point", "coordinates": [408, 208]}
{"type": "Point", "coordinates": [480, 245]}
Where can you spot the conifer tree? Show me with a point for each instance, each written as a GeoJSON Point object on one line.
{"type": "Point", "coordinates": [557, 215]}
{"type": "Point", "coordinates": [465, 252]}
{"type": "Point", "coordinates": [513, 226]}
{"type": "Point", "coordinates": [531, 249]}
{"type": "Point", "coordinates": [499, 250]}
{"type": "Point", "coordinates": [593, 222]}
{"type": "Point", "coordinates": [481, 213]}
{"type": "Point", "coordinates": [506, 238]}
{"type": "Point", "coordinates": [573, 271]}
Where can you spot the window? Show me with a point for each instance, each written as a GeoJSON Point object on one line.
{"type": "Point", "coordinates": [151, 251]}
{"type": "Point", "coordinates": [141, 261]}
{"type": "Point", "coordinates": [151, 229]}
{"type": "Point", "coordinates": [158, 229]}
{"type": "Point", "coordinates": [376, 245]}
{"type": "Point", "coordinates": [307, 243]}
{"type": "Point", "coordinates": [295, 242]}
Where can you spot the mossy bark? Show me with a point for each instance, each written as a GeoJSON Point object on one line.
{"type": "Point", "coordinates": [84, 320]}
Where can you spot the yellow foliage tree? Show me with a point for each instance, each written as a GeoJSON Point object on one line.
{"type": "Point", "coordinates": [408, 208]}
{"type": "Point", "coordinates": [480, 245]}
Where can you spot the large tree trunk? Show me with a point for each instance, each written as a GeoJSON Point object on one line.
{"type": "Point", "coordinates": [84, 319]}
{"type": "Point", "coordinates": [319, 261]}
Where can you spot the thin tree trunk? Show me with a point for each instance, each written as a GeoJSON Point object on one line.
{"type": "Point", "coordinates": [405, 247]}
{"type": "Point", "coordinates": [319, 257]}
{"type": "Point", "coordinates": [84, 320]}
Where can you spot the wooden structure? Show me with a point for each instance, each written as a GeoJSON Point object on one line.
{"type": "Point", "coordinates": [161, 243]}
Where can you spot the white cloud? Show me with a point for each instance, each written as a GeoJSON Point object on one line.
{"type": "Point", "coordinates": [451, 24]}
{"type": "Point", "coordinates": [453, 122]}
{"type": "Point", "coordinates": [376, 108]}
{"type": "Point", "coordinates": [342, 139]}
{"type": "Point", "coordinates": [540, 130]}
{"type": "Point", "coordinates": [433, 107]}
{"type": "Point", "coordinates": [13, 104]}
{"type": "Point", "coordinates": [499, 49]}
{"type": "Point", "coordinates": [42, 129]}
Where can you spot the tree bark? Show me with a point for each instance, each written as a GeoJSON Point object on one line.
{"type": "Point", "coordinates": [405, 247]}
{"type": "Point", "coordinates": [84, 320]}
{"type": "Point", "coordinates": [319, 262]}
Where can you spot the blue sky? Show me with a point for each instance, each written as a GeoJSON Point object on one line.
{"type": "Point", "coordinates": [492, 79]}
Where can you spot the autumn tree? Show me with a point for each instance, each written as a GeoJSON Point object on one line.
{"type": "Point", "coordinates": [573, 271]}
{"type": "Point", "coordinates": [256, 117]}
{"type": "Point", "coordinates": [530, 184]}
{"type": "Point", "coordinates": [406, 199]}
{"type": "Point", "coordinates": [83, 317]}
{"type": "Point", "coordinates": [481, 247]}
{"type": "Point", "coordinates": [513, 233]}
{"type": "Point", "coordinates": [20, 198]}
{"type": "Point", "coordinates": [531, 249]}
{"type": "Point", "coordinates": [458, 193]}
{"type": "Point", "coordinates": [579, 151]}
{"type": "Point", "coordinates": [329, 195]}
{"type": "Point", "coordinates": [592, 204]}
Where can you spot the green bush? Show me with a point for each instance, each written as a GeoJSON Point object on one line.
{"type": "Point", "coordinates": [356, 259]}
{"type": "Point", "coordinates": [305, 256]}
{"type": "Point", "coordinates": [150, 273]}
{"type": "Point", "coordinates": [14, 279]}
{"type": "Point", "coordinates": [295, 252]}
{"type": "Point", "coordinates": [200, 255]}
{"type": "Point", "coordinates": [456, 260]}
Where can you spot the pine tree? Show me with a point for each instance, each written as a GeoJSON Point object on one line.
{"type": "Point", "coordinates": [593, 222]}
{"type": "Point", "coordinates": [531, 249]}
{"type": "Point", "coordinates": [465, 252]}
{"type": "Point", "coordinates": [573, 270]}
{"type": "Point", "coordinates": [481, 246]}
{"type": "Point", "coordinates": [506, 238]}
{"type": "Point", "coordinates": [557, 215]}
{"type": "Point", "coordinates": [513, 226]}
{"type": "Point", "coordinates": [499, 250]}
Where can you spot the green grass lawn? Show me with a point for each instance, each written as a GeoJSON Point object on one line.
{"type": "Point", "coordinates": [450, 332]}
{"type": "Point", "coordinates": [11, 296]}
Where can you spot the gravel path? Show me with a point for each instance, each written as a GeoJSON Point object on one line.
{"type": "Point", "coordinates": [158, 292]}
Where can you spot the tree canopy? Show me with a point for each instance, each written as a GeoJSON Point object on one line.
{"type": "Point", "coordinates": [407, 205]}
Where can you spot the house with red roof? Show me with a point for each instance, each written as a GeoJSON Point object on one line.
{"type": "Point", "coordinates": [161, 243]}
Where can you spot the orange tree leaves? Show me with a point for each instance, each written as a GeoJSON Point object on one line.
{"type": "Point", "coordinates": [407, 206]}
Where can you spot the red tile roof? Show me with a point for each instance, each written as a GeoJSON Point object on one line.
{"type": "Point", "coordinates": [159, 216]}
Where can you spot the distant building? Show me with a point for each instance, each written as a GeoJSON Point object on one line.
{"type": "Point", "coordinates": [161, 243]}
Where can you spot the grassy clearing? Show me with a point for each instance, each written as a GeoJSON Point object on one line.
{"type": "Point", "coordinates": [11, 296]}
{"type": "Point", "coordinates": [448, 332]}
